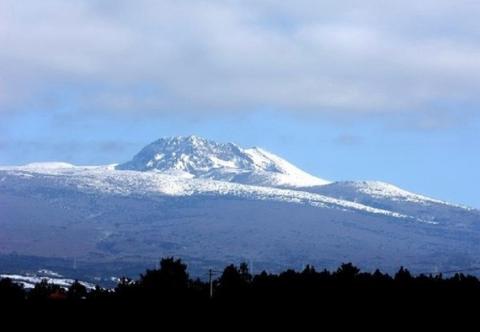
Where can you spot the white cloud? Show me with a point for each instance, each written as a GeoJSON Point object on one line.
{"type": "Point", "coordinates": [229, 56]}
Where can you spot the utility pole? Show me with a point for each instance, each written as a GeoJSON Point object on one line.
{"type": "Point", "coordinates": [210, 282]}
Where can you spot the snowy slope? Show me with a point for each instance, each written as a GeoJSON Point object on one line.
{"type": "Point", "coordinates": [197, 157]}
{"type": "Point", "coordinates": [389, 197]}
{"type": "Point", "coordinates": [214, 204]}
{"type": "Point", "coordinates": [104, 180]}
{"type": "Point", "coordinates": [29, 281]}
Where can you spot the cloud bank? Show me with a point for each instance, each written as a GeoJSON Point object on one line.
{"type": "Point", "coordinates": [205, 57]}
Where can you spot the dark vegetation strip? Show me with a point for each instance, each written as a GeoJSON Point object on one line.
{"type": "Point", "coordinates": [170, 287]}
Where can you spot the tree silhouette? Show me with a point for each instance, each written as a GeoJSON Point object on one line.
{"type": "Point", "coordinates": [11, 292]}
{"type": "Point", "coordinates": [44, 291]}
{"type": "Point", "coordinates": [76, 291]}
{"type": "Point", "coordinates": [234, 281]}
{"type": "Point", "coordinates": [170, 281]}
{"type": "Point", "coordinates": [347, 271]}
{"type": "Point", "coordinates": [403, 275]}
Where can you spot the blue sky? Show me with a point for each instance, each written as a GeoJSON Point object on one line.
{"type": "Point", "coordinates": [343, 89]}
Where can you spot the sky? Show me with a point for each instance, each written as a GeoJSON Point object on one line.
{"type": "Point", "coordinates": [357, 90]}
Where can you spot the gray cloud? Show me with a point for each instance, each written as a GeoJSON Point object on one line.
{"type": "Point", "coordinates": [343, 57]}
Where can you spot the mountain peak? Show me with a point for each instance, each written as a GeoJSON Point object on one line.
{"type": "Point", "coordinates": [191, 139]}
{"type": "Point", "coordinates": [203, 158]}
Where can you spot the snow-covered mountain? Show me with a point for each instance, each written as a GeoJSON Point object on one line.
{"type": "Point", "coordinates": [213, 204]}
{"type": "Point", "coordinates": [200, 158]}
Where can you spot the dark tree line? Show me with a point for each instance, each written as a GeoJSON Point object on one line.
{"type": "Point", "coordinates": [170, 286]}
